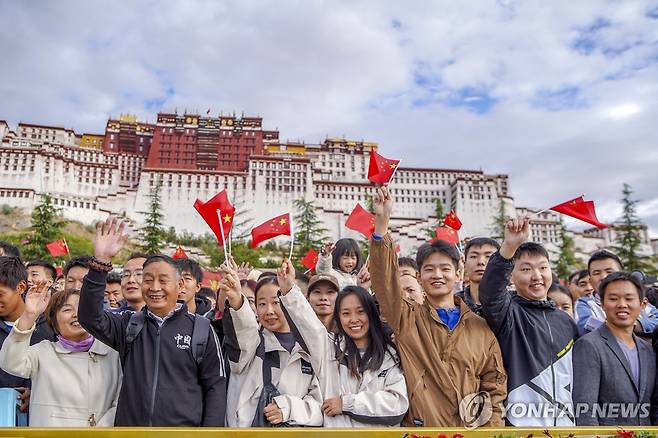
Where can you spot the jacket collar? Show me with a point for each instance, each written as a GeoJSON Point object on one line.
{"type": "Point", "coordinates": [97, 348]}
{"type": "Point", "coordinates": [538, 304]}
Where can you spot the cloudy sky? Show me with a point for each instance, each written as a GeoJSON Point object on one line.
{"type": "Point", "coordinates": [560, 95]}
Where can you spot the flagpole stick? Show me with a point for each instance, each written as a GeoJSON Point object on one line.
{"type": "Point", "coordinates": [230, 239]}
{"type": "Point", "coordinates": [307, 271]}
{"type": "Point", "coordinates": [68, 251]}
{"type": "Point", "coordinates": [292, 237]}
{"type": "Point", "coordinates": [539, 212]}
{"type": "Point", "coordinates": [221, 228]}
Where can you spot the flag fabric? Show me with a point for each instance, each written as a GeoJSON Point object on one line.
{"type": "Point", "coordinates": [447, 234]}
{"type": "Point", "coordinates": [211, 210]}
{"type": "Point", "coordinates": [310, 260]}
{"type": "Point", "coordinates": [580, 209]}
{"type": "Point", "coordinates": [211, 279]}
{"type": "Point", "coordinates": [278, 226]}
{"type": "Point", "coordinates": [361, 220]}
{"type": "Point", "coordinates": [397, 248]}
{"type": "Point", "coordinates": [451, 220]}
{"type": "Point", "coordinates": [58, 248]}
{"type": "Point", "coordinates": [381, 169]}
{"type": "Point", "coordinates": [179, 253]}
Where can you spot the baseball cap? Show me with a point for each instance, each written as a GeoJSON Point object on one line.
{"type": "Point", "coordinates": [318, 278]}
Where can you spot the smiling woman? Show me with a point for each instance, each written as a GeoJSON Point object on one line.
{"type": "Point", "coordinates": [75, 380]}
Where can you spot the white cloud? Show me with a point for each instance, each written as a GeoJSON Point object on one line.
{"type": "Point", "coordinates": [574, 83]}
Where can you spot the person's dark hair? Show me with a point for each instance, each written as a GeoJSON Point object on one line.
{"type": "Point", "coordinates": [440, 247]}
{"type": "Point", "coordinates": [479, 242]}
{"type": "Point", "coordinates": [300, 276]}
{"type": "Point", "coordinates": [137, 255]}
{"type": "Point", "coordinates": [49, 268]}
{"type": "Point", "coordinates": [113, 278]}
{"type": "Point", "coordinates": [207, 292]}
{"type": "Point", "coordinates": [578, 275]}
{"type": "Point", "coordinates": [251, 284]}
{"type": "Point", "coordinates": [10, 250]}
{"type": "Point", "coordinates": [269, 279]}
{"type": "Point", "coordinates": [12, 272]}
{"type": "Point", "coordinates": [602, 255]}
{"type": "Point", "coordinates": [346, 247]}
{"type": "Point", "coordinates": [652, 296]}
{"type": "Point", "coordinates": [379, 339]}
{"type": "Point", "coordinates": [57, 301]}
{"type": "Point", "coordinates": [81, 261]}
{"type": "Point", "coordinates": [266, 274]}
{"type": "Point", "coordinates": [408, 261]}
{"type": "Point", "coordinates": [155, 258]}
{"type": "Point", "coordinates": [191, 266]}
{"type": "Point", "coordinates": [621, 276]}
{"type": "Point", "coordinates": [532, 249]}
{"type": "Point", "coordinates": [556, 287]}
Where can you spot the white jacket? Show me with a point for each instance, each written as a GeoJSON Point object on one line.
{"type": "Point", "coordinates": [68, 389]}
{"type": "Point", "coordinates": [324, 266]}
{"type": "Point", "coordinates": [300, 398]}
{"type": "Point", "coordinates": [378, 398]}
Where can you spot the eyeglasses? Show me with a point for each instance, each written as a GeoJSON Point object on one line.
{"type": "Point", "coordinates": [125, 275]}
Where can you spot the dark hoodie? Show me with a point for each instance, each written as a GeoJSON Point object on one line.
{"type": "Point", "coordinates": [41, 333]}
{"type": "Point", "coordinates": [203, 305]}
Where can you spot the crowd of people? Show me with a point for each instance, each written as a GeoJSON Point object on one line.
{"type": "Point", "coordinates": [483, 335]}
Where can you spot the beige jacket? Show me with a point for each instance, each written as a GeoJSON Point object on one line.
{"type": "Point", "coordinates": [324, 266]}
{"type": "Point", "coordinates": [441, 366]}
{"type": "Point", "coordinates": [68, 389]}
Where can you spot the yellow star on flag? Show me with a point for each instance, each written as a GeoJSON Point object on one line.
{"type": "Point", "coordinates": [282, 222]}
{"type": "Point", "coordinates": [392, 166]}
{"type": "Point", "coordinates": [227, 218]}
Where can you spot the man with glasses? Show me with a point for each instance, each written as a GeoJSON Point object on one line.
{"type": "Point", "coordinates": [131, 283]}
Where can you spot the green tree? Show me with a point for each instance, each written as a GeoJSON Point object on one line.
{"type": "Point", "coordinates": [309, 232]}
{"type": "Point", "coordinates": [47, 226]}
{"type": "Point", "coordinates": [153, 233]}
{"type": "Point", "coordinates": [440, 214]}
{"type": "Point", "coordinates": [567, 262]}
{"type": "Point", "coordinates": [499, 221]}
{"type": "Point", "coordinates": [628, 233]}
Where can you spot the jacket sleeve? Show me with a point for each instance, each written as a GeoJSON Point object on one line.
{"type": "Point", "coordinates": [241, 337]}
{"type": "Point", "coordinates": [213, 382]}
{"type": "Point", "coordinates": [653, 414]}
{"type": "Point", "coordinates": [324, 265]}
{"type": "Point", "coordinates": [386, 284]}
{"type": "Point", "coordinates": [495, 298]}
{"type": "Point", "coordinates": [107, 327]}
{"type": "Point", "coordinates": [304, 411]}
{"type": "Point", "coordinates": [307, 329]}
{"type": "Point", "coordinates": [493, 380]}
{"type": "Point", "coordinates": [648, 319]}
{"type": "Point", "coordinates": [16, 355]}
{"type": "Point", "coordinates": [585, 317]}
{"type": "Point", "coordinates": [387, 406]}
{"type": "Point", "coordinates": [586, 381]}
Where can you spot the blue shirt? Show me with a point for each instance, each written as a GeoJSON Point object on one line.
{"type": "Point", "coordinates": [450, 317]}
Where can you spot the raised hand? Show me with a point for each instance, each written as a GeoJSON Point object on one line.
{"type": "Point", "coordinates": [109, 239]}
{"type": "Point", "coordinates": [327, 248]}
{"type": "Point", "coordinates": [36, 302]}
{"type": "Point", "coordinates": [363, 277]}
{"type": "Point", "coordinates": [243, 270]}
{"type": "Point", "coordinates": [286, 276]}
{"type": "Point", "coordinates": [383, 204]}
{"type": "Point", "coordinates": [229, 285]}
{"type": "Point", "coordinates": [517, 231]}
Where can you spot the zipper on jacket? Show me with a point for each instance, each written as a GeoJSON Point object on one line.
{"type": "Point", "coordinates": [550, 333]}
{"type": "Point", "coordinates": [155, 375]}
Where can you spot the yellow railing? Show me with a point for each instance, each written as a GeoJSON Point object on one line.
{"type": "Point", "coordinates": [637, 432]}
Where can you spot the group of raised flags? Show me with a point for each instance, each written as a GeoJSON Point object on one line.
{"type": "Point", "coordinates": [218, 213]}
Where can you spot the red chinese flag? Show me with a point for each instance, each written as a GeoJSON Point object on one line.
{"type": "Point", "coordinates": [210, 212]}
{"type": "Point", "coordinates": [179, 253]}
{"type": "Point", "coordinates": [310, 260]}
{"type": "Point", "coordinates": [580, 209]}
{"type": "Point", "coordinates": [452, 221]}
{"type": "Point", "coordinates": [397, 248]}
{"type": "Point", "coordinates": [279, 226]}
{"type": "Point", "coordinates": [211, 279]}
{"type": "Point", "coordinates": [361, 220]}
{"type": "Point", "coordinates": [447, 234]}
{"type": "Point", "coordinates": [58, 248]}
{"type": "Point", "coordinates": [380, 169]}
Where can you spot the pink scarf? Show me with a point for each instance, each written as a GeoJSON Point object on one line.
{"type": "Point", "coordinates": [76, 347]}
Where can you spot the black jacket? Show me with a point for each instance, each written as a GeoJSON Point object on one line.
{"type": "Point", "coordinates": [203, 305]}
{"type": "Point", "coordinates": [42, 332]}
{"type": "Point", "coordinates": [162, 383]}
{"type": "Point", "coordinates": [465, 295]}
{"type": "Point", "coordinates": [536, 340]}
